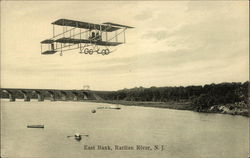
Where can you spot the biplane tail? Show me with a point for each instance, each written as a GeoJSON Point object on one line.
{"type": "Point", "coordinates": [51, 49]}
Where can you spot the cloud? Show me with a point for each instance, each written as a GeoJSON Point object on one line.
{"type": "Point", "coordinates": [157, 35]}
{"type": "Point", "coordinates": [144, 15]}
{"type": "Point", "coordinates": [172, 44]}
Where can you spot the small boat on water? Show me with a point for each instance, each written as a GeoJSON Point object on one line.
{"type": "Point", "coordinates": [78, 136]}
{"type": "Point", "coordinates": [35, 126]}
{"type": "Point", "coordinates": [116, 107]}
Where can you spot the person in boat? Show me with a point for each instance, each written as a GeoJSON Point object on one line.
{"type": "Point", "coordinates": [78, 136]}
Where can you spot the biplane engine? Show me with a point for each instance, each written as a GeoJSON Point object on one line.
{"type": "Point", "coordinates": [89, 38]}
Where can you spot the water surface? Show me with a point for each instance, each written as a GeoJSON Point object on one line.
{"type": "Point", "coordinates": [184, 134]}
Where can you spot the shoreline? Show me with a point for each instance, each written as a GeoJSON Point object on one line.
{"type": "Point", "coordinates": [221, 109]}
{"type": "Point", "coordinates": [231, 109]}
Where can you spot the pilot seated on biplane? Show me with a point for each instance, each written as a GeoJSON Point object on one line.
{"type": "Point", "coordinates": [95, 36]}
{"type": "Point", "coordinates": [52, 46]}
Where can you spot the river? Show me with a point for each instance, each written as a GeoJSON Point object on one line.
{"type": "Point", "coordinates": [183, 134]}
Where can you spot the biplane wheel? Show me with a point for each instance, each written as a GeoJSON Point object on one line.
{"type": "Point", "coordinates": [107, 51]}
{"type": "Point", "coordinates": [86, 51]}
{"type": "Point", "coordinates": [103, 52]}
{"type": "Point", "coordinates": [91, 51]}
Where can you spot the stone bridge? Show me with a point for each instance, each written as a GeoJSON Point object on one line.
{"type": "Point", "coordinates": [48, 94]}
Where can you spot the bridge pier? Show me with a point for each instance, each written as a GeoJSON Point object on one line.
{"type": "Point", "coordinates": [63, 95]}
{"type": "Point", "coordinates": [12, 97]}
{"type": "Point", "coordinates": [52, 96]}
{"type": "Point", "coordinates": [40, 97]}
{"type": "Point", "coordinates": [25, 96]}
{"type": "Point", "coordinates": [85, 97]}
{"type": "Point", "coordinates": [75, 96]}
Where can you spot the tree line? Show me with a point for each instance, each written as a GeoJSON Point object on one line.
{"type": "Point", "coordinates": [205, 96]}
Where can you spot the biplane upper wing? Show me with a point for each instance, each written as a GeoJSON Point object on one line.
{"type": "Point", "coordinates": [76, 41]}
{"type": "Point", "coordinates": [85, 25]}
{"type": "Point", "coordinates": [119, 25]}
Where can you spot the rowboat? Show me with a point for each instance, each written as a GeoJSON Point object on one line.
{"type": "Point", "coordinates": [35, 126]}
{"type": "Point", "coordinates": [78, 136]}
{"type": "Point", "coordinates": [116, 107]}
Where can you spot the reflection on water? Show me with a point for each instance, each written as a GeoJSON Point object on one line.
{"type": "Point", "coordinates": [183, 133]}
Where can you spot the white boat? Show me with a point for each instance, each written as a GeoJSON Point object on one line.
{"type": "Point", "coordinates": [116, 107]}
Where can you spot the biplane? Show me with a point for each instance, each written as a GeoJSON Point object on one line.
{"type": "Point", "coordinates": [89, 38]}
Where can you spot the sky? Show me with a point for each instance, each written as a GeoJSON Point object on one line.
{"type": "Point", "coordinates": [174, 43]}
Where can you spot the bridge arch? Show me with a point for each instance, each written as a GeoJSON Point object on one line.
{"type": "Point", "coordinates": [11, 95]}
{"type": "Point", "coordinates": [85, 95]}
{"type": "Point", "coordinates": [75, 96]}
{"type": "Point", "coordinates": [39, 95]}
{"type": "Point", "coordinates": [52, 95]}
{"type": "Point", "coordinates": [25, 95]}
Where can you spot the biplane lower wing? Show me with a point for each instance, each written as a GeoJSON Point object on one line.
{"type": "Point", "coordinates": [77, 41]}
{"type": "Point", "coordinates": [104, 43]}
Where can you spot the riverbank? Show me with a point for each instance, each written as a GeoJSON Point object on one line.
{"type": "Point", "coordinates": [232, 109]}
{"type": "Point", "coordinates": [169, 105]}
